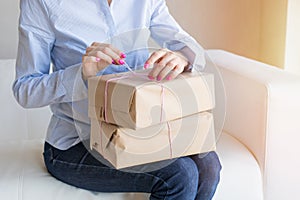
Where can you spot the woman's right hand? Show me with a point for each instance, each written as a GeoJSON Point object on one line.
{"type": "Point", "coordinates": [98, 56]}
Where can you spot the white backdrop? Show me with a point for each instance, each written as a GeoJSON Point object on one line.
{"type": "Point", "coordinates": [292, 53]}
{"type": "Point", "coordinates": [233, 25]}
{"type": "Point", "coordinates": [9, 12]}
{"type": "Point", "coordinates": [213, 23]}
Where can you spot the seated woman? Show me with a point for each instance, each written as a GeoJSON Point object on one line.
{"type": "Point", "coordinates": [88, 38]}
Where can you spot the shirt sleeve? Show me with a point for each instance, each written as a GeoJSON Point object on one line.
{"type": "Point", "coordinates": [34, 86]}
{"type": "Point", "coordinates": [168, 34]}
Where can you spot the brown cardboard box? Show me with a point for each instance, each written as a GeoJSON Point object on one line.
{"type": "Point", "coordinates": [124, 147]}
{"type": "Point", "coordinates": [135, 101]}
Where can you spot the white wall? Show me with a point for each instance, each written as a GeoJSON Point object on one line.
{"type": "Point", "coordinates": [228, 24]}
{"type": "Point", "coordinates": [292, 54]}
{"type": "Point", "coordinates": [9, 11]}
{"type": "Point", "coordinates": [252, 28]}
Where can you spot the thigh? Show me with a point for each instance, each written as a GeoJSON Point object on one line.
{"type": "Point", "coordinates": [77, 167]}
{"type": "Point", "coordinates": [209, 168]}
{"type": "Point", "coordinates": [207, 163]}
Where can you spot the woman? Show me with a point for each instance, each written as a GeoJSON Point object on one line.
{"type": "Point", "coordinates": [60, 32]}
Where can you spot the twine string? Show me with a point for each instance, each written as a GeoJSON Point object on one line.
{"type": "Point", "coordinates": [170, 140]}
{"type": "Point", "coordinates": [101, 136]}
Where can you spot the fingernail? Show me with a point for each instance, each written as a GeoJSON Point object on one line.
{"type": "Point", "coordinates": [98, 59]}
{"type": "Point", "coordinates": [123, 55]}
{"type": "Point", "coordinates": [121, 62]}
{"type": "Point", "coordinates": [146, 65]}
{"type": "Point", "coordinates": [169, 78]}
{"type": "Point", "coordinates": [151, 77]}
{"type": "Point", "coordinates": [159, 78]}
{"type": "Point", "coordinates": [113, 62]}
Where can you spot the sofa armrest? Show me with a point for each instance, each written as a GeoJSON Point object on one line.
{"type": "Point", "coordinates": [262, 111]}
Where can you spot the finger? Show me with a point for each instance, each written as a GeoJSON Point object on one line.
{"type": "Point", "coordinates": [155, 57]}
{"type": "Point", "coordinates": [111, 53]}
{"type": "Point", "coordinates": [90, 59]}
{"type": "Point", "coordinates": [117, 51]}
{"type": "Point", "coordinates": [163, 67]}
{"type": "Point", "coordinates": [117, 55]}
{"type": "Point", "coordinates": [106, 48]}
{"type": "Point", "coordinates": [102, 56]}
{"type": "Point", "coordinates": [166, 58]}
{"type": "Point", "coordinates": [95, 44]}
{"type": "Point", "coordinates": [175, 72]}
{"type": "Point", "coordinates": [89, 49]}
{"type": "Point", "coordinates": [169, 67]}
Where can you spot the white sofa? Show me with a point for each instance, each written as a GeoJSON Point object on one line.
{"type": "Point", "coordinates": [259, 147]}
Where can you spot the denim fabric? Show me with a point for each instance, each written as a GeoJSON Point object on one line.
{"type": "Point", "coordinates": [185, 178]}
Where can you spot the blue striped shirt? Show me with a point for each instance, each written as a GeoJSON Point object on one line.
{"type": "Point", "coordinates": [57, 32]}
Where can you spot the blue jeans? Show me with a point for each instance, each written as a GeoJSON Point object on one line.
{"type": "Point", "coordinates": [187, 178]}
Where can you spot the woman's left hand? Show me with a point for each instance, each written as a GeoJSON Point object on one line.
{"type": "Point", "coordinates": [167, 64]}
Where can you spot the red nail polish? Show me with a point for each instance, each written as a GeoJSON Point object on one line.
{"type": "Point", "coordinates": [123, 55]}
{"type": "Point", "coordinates": [159, 78]}
{"type": "Point", "coordinates": [151, 77]}
{"type": "Point", "coordinates": [146, 66]}
{"type": "Point", "coordinates": [113, 62]}
{"type": "Point", "coordinates": [98, 59]}
{"type": "Point", "coordinates": [169, 78]}
{"type": "Point", "coordinates": [121, 62]}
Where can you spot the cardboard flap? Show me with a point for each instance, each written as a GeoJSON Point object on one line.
{"type": "Point", "coordinates": [102, 134]}
{"type": "Point", "coordinates": [120, 92]}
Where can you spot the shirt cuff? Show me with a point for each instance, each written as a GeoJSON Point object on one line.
{"type": "Point", "coordinates": [73, 83]}
{"type": "Point", "coordinates": [195, 56]}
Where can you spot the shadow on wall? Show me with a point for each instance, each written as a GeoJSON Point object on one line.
{"type": "Point", "coordinates": [252, 28]}
{"type": "Point", "coordinates": [9, 14]}
{"type": "Point", "coordinates": [231, 25]}
{"type": "Point", "coordinates": [213, 23]}
{"type": "Point", "coordinates": [242, 27]}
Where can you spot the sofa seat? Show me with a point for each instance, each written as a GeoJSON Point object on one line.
{"type": "Point", "coordinates": [24, 176]}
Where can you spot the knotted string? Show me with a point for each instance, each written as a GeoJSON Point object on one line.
{"type": "Point", "coordinates": [133, 73]}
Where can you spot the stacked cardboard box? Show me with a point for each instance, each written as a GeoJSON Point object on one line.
{"type": "Point", "coordinates": [136, 121]}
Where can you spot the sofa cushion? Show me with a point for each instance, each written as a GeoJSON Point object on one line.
{"type": "Point", "coordinates": [13, 117]}
{"type": "Point", "coordinates": [18, 123]}
{"type": "Point", "coordinates": [240, 174]}
{"type": "Point", "coordinates": [23, 175]}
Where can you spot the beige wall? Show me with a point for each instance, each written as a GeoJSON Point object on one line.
{"type": "Point", "coordinates": [273, 32]}
{"type": "Point", "coordinates": [252, 28]}
{"type": "Point", "coordinates": [232, 25]}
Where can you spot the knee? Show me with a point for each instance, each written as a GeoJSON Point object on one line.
{"type": "Point", "coordinates": [209, 168]}
{"type": "Point", "coordinates": [184, 179]}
